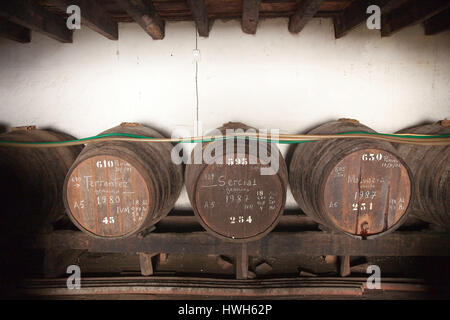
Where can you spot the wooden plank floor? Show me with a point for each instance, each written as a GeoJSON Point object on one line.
{"type": "Point", "coordinates": [195, 288]}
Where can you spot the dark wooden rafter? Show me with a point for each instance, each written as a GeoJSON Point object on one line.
{"type": "Point", "coordinates": [29, 14]}
{"type": "Point", "coordinates": [389, 5]}
{"type": "Point", "coordinates": [144, 13]}
{"type": "Point", "coordinates": [49, 16]}
{"type": "Point", "coordinates": [438, 23]}
{"type": "Point", "coordinates": [250, 15]}
{"type": "Point", "coordinates": [306, 11]}
{"type": "Point", "coordinates": [356, 14]}
{"type": "Point", "coordinates": [410, 13]}
{"type": "Point", "coordinates": [200, 16]}
{"type": "Point", "coordinates": [93, 16]}
{"type": "Point", "coordinates": [14, 32]}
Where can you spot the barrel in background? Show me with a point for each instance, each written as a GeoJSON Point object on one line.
{"type": "Point", "coordinates": [356, 186]}
{"type": "Point", "coordinates": [32, 179]}
{"type": "Point", "coordinates": [118, 188]}
{"type": "Point", "coordinates": [430, 166]}
{"type": "Point", "coordinates": [232, 200]}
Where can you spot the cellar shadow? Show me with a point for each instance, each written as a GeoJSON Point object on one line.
{"type": "Point", "coordinates": [3, 127]}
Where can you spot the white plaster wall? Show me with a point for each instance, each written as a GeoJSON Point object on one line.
{"type": "Point", "coordinates": [271, 80]}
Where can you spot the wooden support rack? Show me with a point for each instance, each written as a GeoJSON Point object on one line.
{"type": "Point", "coordinates": [295, 235]}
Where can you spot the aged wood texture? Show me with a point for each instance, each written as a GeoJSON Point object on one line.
{"type": "Point", "coordinates": [430, 166]}
{"type": "Point", "coordinates": [197, 288]}
{"type": "Point", "coordinates": [241, 263]}
{"type": "Point", "coordinates": [14, 32]}
{"type": "Point", "coordinates": [115, 189]}
{"type": "Point", "coordinates": [344, 266]}
{"type": "Point", "coordinates": [306, 11]}
{"type": "Point", "coordinates": [399, 243]}
{"type": "Point", "coordinates": [216, 9]}
{"type": "Point", "coordinates": [92, 16]}
{"type": "Point", "coordinates": [438, 23]}
{"type": "Point", "coordinates": [356, 13]}
{"type": "Point", "coordinates": [56, 262]}
{"type": "Point", "coordinates": [233, 200]}
{"type": "Point", "coordinates": [143, 12]}
{"type": "Point", "coordinates": [32, 179]}
{"type": "Point", "coordinates": [250, 15]}
{"type": "Point", "coordinates": [29, 14]}
{"type": "Point", "coordinates": [200, 16]}
{"type": "Point", "coordinates": [146, 263]}
{"type": "Point", "coordinates": [356, 186]}
{"type": "Point", "coordinates": [410, 13]}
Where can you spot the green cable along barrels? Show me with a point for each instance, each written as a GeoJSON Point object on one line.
{"type": "Point", "coordinates": [232, 199]}
{"type": "Point", "coordinates": [116, 189]}
{"type": "Point", "coordinates": [32, 180]}
{"type": "Point", "coordinates": [360, 187]}
{"type": "Point", "coordinates": [431, 168]}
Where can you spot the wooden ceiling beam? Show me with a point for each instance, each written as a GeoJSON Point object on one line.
{"type": "Point", "coordinates": [410, 13]}
{"type": "Point", "coordinates": [438, 23]}
{"type": "Point", "coordinates": [144, 13]}
{"type": "Point", "coordinates": [250, 15]}
{"type": "Point", "coordinates": [93, 16]}
{"type": "Point", "coordinates": [200, 16]}
{"type": "Point", "coordinates": [356, 14]}
{"type": "Point", "coordinates": [29, 14]}
{"type": "Point", "coordinates": [306, 11]}
{"type": "Point", "coordinates": [14, 32]}
{"type": "Point", "coordinates": [389, 5]}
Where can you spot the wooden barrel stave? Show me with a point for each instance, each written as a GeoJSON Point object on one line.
{"type": "Point", "coordinates": [315, 170]}
{"type": "Point", "coordinates": [222, 221]}
{"type": "Point", "coordinates": [149, 185]}
{"type": "Point", "coordinates": [39, 176]}
{"type": "Point", "coordinates": [431, 168]}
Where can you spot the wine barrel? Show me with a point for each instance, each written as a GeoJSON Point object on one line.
{"type": "Point", "coordinates": [118, 188]}
{"type": "Point", "coordinates": [32, 179]}
{"type": "Point", "coordinates": [430, 166]}
{"type": "Point", "coordinates": [356, 186]}
{"type": "Point", "coordinates": [233, 200]}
